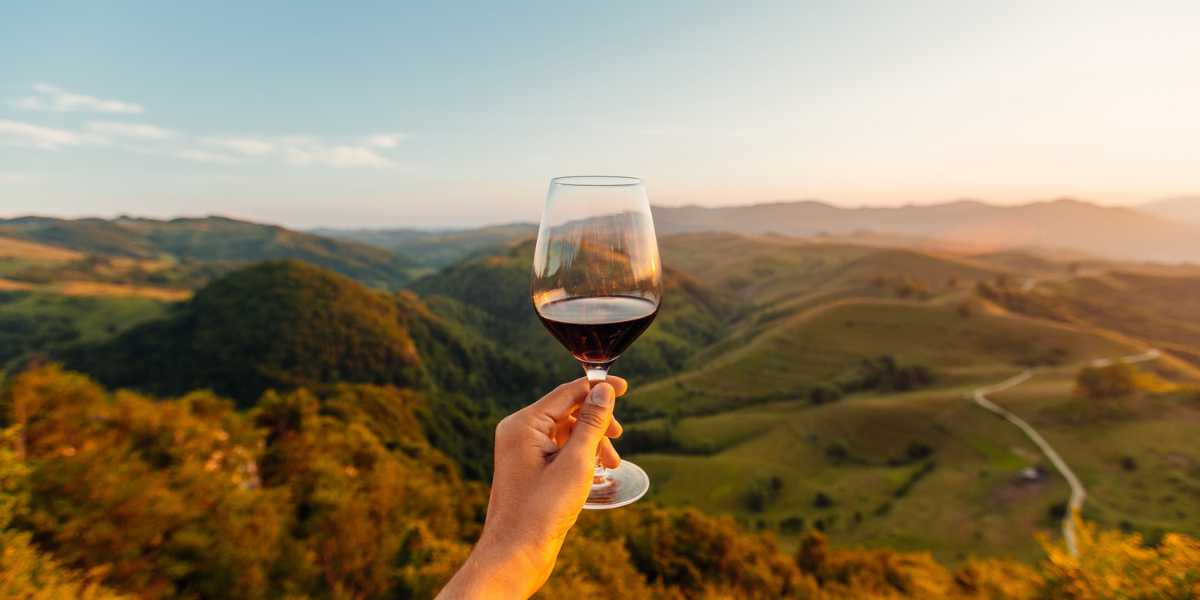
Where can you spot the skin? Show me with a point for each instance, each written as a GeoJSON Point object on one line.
{"type": "Point", "coordinates": [545, 454]}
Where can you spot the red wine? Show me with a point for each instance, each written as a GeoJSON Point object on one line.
{"type": "Point", "coordinates": [597, 329]}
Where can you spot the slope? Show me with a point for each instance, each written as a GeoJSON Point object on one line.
{"type": "Point", "coordinates": [436, 248]}
{"type": "Point", "coordinates": [965, 226]}
{"type": "Point", "coordinates": [212, 239]}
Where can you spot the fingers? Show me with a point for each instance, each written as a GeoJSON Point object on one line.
{"type": "Point", "coordinates": [614, 429]}
{"type": "Point", "coordinates": [593, 421]}
{"type": "Point", "coordinates": [608, 455]}
{"type": "Point", "coordinates": [563, 401]}
{"type": "Point", "coordinates": [620, 386]}
{"type": "Point", "coordinates": [562, 430]}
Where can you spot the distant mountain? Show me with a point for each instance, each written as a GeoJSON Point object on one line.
{"type": "Point", "coordinates": [963, 227]}
{"type": "Point", "coordinates": [1186, 209]}
{"type": "Point", "coordinates": [213, 239]}
{"type": "Point", "coordinates": [438, 248]}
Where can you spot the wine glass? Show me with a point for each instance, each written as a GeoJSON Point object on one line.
{"type": "Point", "coordinates": [597, 285]}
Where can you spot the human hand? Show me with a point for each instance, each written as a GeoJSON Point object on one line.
{"type": "Point", "coordinates": [545, 457]}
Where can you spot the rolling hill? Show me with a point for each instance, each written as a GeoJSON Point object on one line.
{"type": "Point", "coordinates": [792, 383]}
{"type": "Point", "coordinates": [963, 227]}
{"type": "Point", "coordinates": [1185, 209]}
{"type": "Point", "coordinates": [212, 239]}
{"type": "Point", "coordinates": [438, 248]}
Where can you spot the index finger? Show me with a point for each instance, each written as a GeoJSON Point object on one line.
{"type": "Point", "coordinates": [563, 400]}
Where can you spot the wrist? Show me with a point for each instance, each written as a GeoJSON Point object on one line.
{"type": "Point", "coordinates": [493, 570]}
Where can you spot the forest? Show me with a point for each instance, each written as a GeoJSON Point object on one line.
{"type": "Point", "coordinates": [335, 493]}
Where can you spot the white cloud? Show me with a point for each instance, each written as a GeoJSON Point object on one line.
{"type": "Point", "coordinates": [203, 156]}
{"type": "Point", "coordinates": [46, 138]}
{"type": "Point", "coordinates": [130, 130]}
{"type": "Point", "coordinates": [303, 151]}
{"type": "Point", "coordinates": [55, 99]}
{"type": "Point", "coordinates": [385, 140]}
{"type": "Point", "coordinates": [16, 178]}
{"type": "Point", "coordinates": [247, 146]}
{"type": "Point", "coordinates": [141, 138]}
{"type": "Point", "coordinates": [335, 156]}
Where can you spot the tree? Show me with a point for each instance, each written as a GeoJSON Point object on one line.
{"type": "Point", "coordinates": [1108, 381]}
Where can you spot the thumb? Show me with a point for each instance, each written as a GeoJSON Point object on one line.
{"type": "Point", "coordinates": [591, 423]}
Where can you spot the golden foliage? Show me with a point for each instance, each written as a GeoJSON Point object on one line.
{"type": "Point", "coordinates": [334, 493]}
{"type": "Point", "coordinates": [1113, 564]}
{"type": "Point", "coordinates": [26, 573]}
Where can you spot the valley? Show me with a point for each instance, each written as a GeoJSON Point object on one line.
{"type": "Point", "coordinates": [793, 383]}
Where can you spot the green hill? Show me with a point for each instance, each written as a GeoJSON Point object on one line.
{"type": "Point", "coordinates": [1161, 310]}
{"type": "Point", "coordinates": [37, 322]}
{"type": "Point", "coordinates": [274, 325]}
{"type": "Point", "coordinates": [491, 296]}
{"type": "Point", "coordinates": [437, 249]}
{"type": "Point", "coordinates": [790, 383]}
{"type": "Point", "coordinates": [284, 325]}
{"type": "Point", "coordinates": [213, 239]}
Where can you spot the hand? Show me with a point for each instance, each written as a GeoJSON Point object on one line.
{"type": "Point", "coordinates": [545, 457]}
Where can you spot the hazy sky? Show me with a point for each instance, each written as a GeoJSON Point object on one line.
{"type": "Point", "coordinates": [458, 113]}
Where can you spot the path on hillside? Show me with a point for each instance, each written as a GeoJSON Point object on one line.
{"type": "Point", "coordinates": [1078, 493]}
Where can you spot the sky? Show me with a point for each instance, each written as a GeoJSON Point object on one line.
{"type": "Point", "coordinates": [457, 114]}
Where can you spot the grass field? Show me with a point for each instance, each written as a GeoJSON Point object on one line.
{"type": "Point", "coordinates": [789, 357]}
{"type": "Point", "coordinates": [13, 248]}
{"type": "Point", "coordinates": [964, 497]}
{"type": "Point", "coordinates": [40, 320]}
{"type": "Point", "coordinates": [740, 418]}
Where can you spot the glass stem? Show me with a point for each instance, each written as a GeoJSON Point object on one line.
{"type": "Point", "coordinates": [597, 372]}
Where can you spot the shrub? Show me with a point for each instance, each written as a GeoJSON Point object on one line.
{"type": "Point", "coordinates": [837, 451]}
{"type": "Point", "coordinates": [762, 491]}
{"type": "Point", "coordinates": [823, 393]}
{"type": "Point", "coordinates": [1108, 381]}
{"type": "Point", "coordinates": [917, 450]}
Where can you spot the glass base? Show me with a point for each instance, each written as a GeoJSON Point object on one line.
{"type": "Point", "coordinates": [617, 487]}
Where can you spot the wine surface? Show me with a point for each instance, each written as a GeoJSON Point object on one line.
{"type": "Point", "coordinates": [597, 329]}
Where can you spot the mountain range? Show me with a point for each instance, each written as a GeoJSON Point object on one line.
{"type": "Point", "coordinates": [1184, 208]}
{"type": "Point", "coordinates": [1164, 231]}
{"type": "Point", "coordinates": [964, 227]}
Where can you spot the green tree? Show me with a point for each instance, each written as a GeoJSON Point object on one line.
{"type": "Point", "coordinates": [1108, 381]}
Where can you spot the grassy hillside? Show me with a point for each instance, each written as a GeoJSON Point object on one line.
{"type": "Point", "coordinates": [284, 325]}
{"type": "Point", "coordinates": [963, 226]}
{"type": "Point", "coordinates": [212, 239]}
{"type": "Point", "coordinates": [926, 469]}
{"type": "Point", "coordinates": [437, 249]}
{"type": "Point", "coordinates": [491, 296]}
{"type": "Point", "coordinates": [831, 342]}
{"type": "Point", "coordinates": [789, 383]}
{"type": "Point", "coordinates": [1162, 310]}
{"type": "Point", "coordinates": [35, 322]}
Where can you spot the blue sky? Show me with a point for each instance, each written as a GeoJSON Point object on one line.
{"type": "Point", "coordinates": [458, 113]}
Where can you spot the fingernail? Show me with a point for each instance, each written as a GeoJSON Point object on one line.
{"type": "Point", "coordinates": [602, 395]}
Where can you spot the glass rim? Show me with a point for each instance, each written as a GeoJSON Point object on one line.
{"type": "Point", "coordinates": [596, 181]}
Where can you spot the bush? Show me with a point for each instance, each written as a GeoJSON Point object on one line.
{"type": "Point", "coordinates": [917, 450]}
{"type": "Point", "coordinates": [762, 491]}
{"type": "Point", "coordinates": [791, 525]}
{"type": "Point", "coordinates": [823, 393]}
{"type": "Point", "coordinates": [1116, 379]}
{"type": "Point", "coordinates": [837, 451]}
{"type": "Point", "coordinates": [822, 500]}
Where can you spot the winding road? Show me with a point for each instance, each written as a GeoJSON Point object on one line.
{"type": "Point", "coordinates": [1078, 493]}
